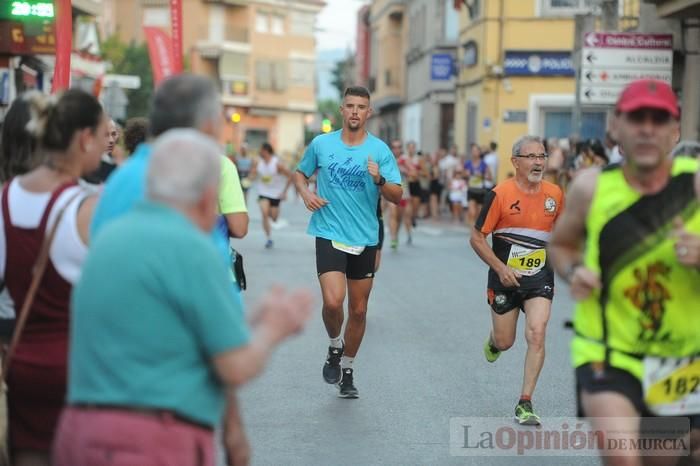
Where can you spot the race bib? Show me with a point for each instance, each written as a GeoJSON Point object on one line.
{"type": "Point", "coordinates": [354, 250]}
{"type": "Point", "coordinates": [266, 179]}
{"type": "Point", "coordinates": [672, 385]}
{"type": "Point", "coordinates": [526, 261]}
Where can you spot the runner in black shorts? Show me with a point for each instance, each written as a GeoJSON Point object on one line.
{"type": "Point", "coordinates": [354, 168]}
{"type": "Point", "coordinates": [380, 217]}
{"type": "Point", "coordinates": [519, 214]}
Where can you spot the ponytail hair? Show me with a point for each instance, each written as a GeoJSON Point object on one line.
{"type": "Point", "coordinates": [56, 118]}
{"type": "Point", "coordinates": [19, 153]}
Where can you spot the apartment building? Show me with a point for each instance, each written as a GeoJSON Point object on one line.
{"type": "Point", "coordinates": [261, 52]}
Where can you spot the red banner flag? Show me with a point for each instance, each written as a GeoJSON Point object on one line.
{"type": "Point", "coordinates": [176, 31]}
{"type": "Point", "coordinates": [160, 50]}
{"type": "Point", "coordinates": [64, 44]}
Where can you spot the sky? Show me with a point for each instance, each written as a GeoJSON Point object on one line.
{"type": "Point", "coordinates": [335, 26]}
{"type": "Point", "coordinates": [335, 35]}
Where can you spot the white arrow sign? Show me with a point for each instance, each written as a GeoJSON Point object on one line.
{"type": "Point", "coordinates": [620, 77]}
{"type": "Point", "coordinates": [600, 95]}
{"type": "Point", "coordinates": [591, 39]}
{"type": "Point", "coordinates": [628, 58]}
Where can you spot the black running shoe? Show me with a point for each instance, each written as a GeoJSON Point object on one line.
{"type": "Point", "coordinates": [331, 369]}
{"type": "Point", "coordinates": [347, 388]}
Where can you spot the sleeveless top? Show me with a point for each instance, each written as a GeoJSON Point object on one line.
{"type": "Point", "coordinates": [270, 182]}
{"type": "Point", "coordinates": [648, 302]}
{"type": "Point", "coordinates": [26, 219]}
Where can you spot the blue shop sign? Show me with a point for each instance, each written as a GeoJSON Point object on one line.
{"type": "Point", "coordinates": [529, 63]}
{"type": "Point", "coordinates": [441, 67]}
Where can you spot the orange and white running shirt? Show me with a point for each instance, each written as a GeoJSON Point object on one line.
{"type": "Point", "coordinates": [521, 225]}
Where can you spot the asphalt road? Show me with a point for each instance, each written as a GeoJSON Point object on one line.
{"type": "Point", "coordinates": [420, 363]}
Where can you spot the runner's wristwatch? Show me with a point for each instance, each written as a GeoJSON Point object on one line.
{"type": "Point", "coordinates": [381, 182]}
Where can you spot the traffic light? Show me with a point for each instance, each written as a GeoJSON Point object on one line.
{"type": "Point", "coordinates": [326, 125]}
{"type": "Point", "coordinates": [235, 117]}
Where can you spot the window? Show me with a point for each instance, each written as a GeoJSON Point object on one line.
{"type": "Point", "coordinates": [158, 17]}
{"type": "Point", "coordinates": [233, 65]}
{"type": "Point", "coordinates": [279, 76]}
{"type": "Point", "coordinates": [387, 78]}
{"type": "Point", "coordinates": [217, 23]}
{"type": "Point", "coordinates": [277, 24]}
{"type": "Point", "coordinates": [557, 123]}
{"type": "Point", "coordinates": [451, 25]}
{"type": "Point", "coordinates": [302, 24]}
{"type": "Point", "coordinates": [301, 73]}
{"type": "Point", "coordinates": [263, 75]}
{"type": "Point", "coordinates": [474, 7]}
{"type": "Point", "coordinates": [271, 75]}
{"type": "Point", "coordinates": [566, 7]}
{"type": "Point", "coordinates": [262, 23]}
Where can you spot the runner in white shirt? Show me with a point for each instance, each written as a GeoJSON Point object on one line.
{"type": "Point", "coordinates": [273, 180]}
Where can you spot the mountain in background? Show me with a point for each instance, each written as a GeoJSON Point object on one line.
{"type": "Point", "coordinates": [325, 64]}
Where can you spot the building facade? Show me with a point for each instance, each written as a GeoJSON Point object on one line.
{"type": "Point", "coordinates": [261, 52]}
{"type": "Point", "coordinates": [516, 73]}
{"type": "Point", "coordinates": [387, 66]}
{"type": "Point", "coordinates": [683, 17]}
{"type": "Point", "coordinates": [28, 47]}
{"type": "Point", "coordinates": [428, 112]}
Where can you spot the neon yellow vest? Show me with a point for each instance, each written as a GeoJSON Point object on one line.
{"type": "Point", "coordinates": [649, 303]}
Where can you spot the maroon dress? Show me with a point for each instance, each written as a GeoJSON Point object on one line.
{"type": "Point", "coordinates": [36, 379]}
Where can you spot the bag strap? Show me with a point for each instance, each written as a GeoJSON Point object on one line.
{"type": "Point", "coordinates": [37, 275]}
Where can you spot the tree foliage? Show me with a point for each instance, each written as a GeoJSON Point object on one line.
{"type": "Point", "coordinates": [343, 74]}
{"type": "Point", "coordinates": [131, 59]}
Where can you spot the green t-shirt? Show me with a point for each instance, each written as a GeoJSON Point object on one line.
{"type": "Point", "coordinates": [153, 306]}
{"type": "Point", "coordinates": [231, 200]}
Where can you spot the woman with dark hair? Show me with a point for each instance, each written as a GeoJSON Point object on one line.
{"type": "Point", "coordinates": [18, 153]}
{"type": "Point", "coordinates": [71, 130]}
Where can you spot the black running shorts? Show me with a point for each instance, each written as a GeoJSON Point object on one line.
{"type": "Point", "coordinates": [600, 378]}
{"type": "Point", "coordinates": [503, 301]}
{"type": "Point", "coordinates": [273, 202]}
{"type": "Point", "coordinates": [329, 259]}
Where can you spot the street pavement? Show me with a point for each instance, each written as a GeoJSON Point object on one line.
{"type": "Point", "coordinates": [420, 364]}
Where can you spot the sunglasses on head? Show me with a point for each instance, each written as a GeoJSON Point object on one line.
{"type": "Point", "coordinates": [658, 117]}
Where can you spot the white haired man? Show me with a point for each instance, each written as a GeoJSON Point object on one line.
{"type": "Point", "coordinates": [146, 343]}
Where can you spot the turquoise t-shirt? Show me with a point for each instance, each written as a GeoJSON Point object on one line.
{"type": "Point", "coordinates": [150, 311]}
{"type": "Point", "coordinates": [343, 180]}
{"type": "Point", "coordinates": [126, 187]}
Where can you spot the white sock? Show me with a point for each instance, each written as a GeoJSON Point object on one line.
{"type": "Point", "coordinates": [337, 342]}
{"type": "Point", "coordinates": [346, 362]}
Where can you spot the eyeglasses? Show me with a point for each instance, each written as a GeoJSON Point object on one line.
{"type": "Point", "coordinates": [658, 117]}
{"type": "Point", "coordinates": [531, 157]}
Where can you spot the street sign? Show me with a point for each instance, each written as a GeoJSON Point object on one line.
{"type": "Point", "coordinates": [610, 61]}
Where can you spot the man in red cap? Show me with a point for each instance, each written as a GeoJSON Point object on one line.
{"type": "Point", "coordinates": [629, 246]}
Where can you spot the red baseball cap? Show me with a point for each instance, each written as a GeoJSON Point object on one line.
{"type": "Point", "coordinates": [648, 93]}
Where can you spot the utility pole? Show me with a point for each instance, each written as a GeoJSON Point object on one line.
{"type": "Point", "coordinates": [609, 10]}
{"type": "Point", "coordinates": [583, 24]}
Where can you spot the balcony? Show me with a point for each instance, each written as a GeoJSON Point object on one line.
{"type": "Point", "coordinates": [232, 39]}
{"type": "Point", "coordinates": [88, 7]}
